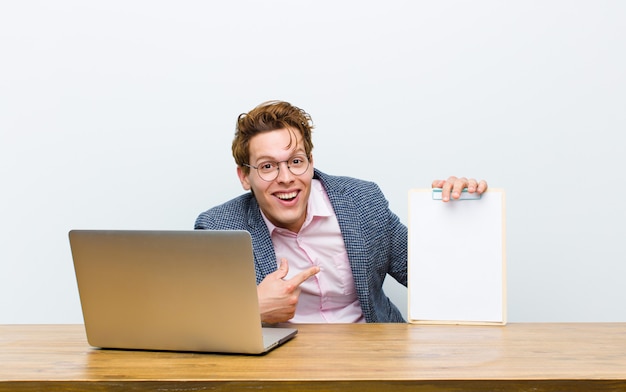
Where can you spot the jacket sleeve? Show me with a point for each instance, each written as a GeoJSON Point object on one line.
{"type": "Point", "coordinates": [387, 235]}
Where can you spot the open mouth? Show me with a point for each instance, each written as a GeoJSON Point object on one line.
{"type": "Point", "coordinates": [286, 196]}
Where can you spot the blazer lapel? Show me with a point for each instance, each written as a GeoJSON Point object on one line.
{"type": "Point", "coordinates": [264, 255]}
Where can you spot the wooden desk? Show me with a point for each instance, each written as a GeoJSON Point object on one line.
{"type": "Point", "coordinates": [538, 357]}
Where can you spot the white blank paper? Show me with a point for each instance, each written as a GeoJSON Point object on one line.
{"type": "Point", "coordinates": [457, 259]}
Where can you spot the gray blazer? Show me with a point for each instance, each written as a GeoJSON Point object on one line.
{"type": "Point", "coordinates": [375, 239]}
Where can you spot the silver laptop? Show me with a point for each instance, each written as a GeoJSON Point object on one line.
{"type": "Point", "coordinates": [171, 290]}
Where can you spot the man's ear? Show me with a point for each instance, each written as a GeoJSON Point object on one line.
{"type": "Point", "coordinates": [311, 163]}
{"type": "Point", "coordinates": [243, 178]}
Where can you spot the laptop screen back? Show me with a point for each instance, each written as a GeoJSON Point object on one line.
{"type": "Point", "coordinates": [168, 290]}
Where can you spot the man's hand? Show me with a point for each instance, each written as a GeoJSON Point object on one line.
{"type": "Point", "coordinates": [453, 186]}
{"type": "Point", "coordinates": [277, 297]}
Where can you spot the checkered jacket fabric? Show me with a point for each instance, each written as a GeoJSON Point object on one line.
{"type": "Point", "coordinates": [375, 239]}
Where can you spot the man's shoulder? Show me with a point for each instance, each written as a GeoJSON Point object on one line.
{"type": "Point", "coordinates": [229, 215]}
{"type": "Point", "coordinates": [335, 180]}
{"type": "Point", "coordinates": [345, 184]}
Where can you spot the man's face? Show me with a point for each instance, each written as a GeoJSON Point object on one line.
{"type": "Point", "coordinates": [283, 200]}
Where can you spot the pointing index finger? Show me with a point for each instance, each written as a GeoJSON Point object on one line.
{"type": "Point", "coordinates": [299, 278]}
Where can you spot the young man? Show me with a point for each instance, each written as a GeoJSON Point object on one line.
{"type": "Point", "coordinates": [322, 244]}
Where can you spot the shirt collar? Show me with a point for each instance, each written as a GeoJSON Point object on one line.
{"type": "Point", "coordinates": [317, 206]}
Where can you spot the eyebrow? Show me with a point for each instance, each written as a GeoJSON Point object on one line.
{"type": "Point", "coordinates": [264, 158]}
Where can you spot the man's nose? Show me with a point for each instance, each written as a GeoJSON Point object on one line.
{"type": "Point", "coordinates": [284, 173]}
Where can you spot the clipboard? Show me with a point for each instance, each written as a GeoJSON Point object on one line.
{"type": "Point", "coordinates": [457, 258]}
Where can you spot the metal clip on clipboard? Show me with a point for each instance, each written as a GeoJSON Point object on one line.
{"type": "Point", "coordinates": [465, 195]}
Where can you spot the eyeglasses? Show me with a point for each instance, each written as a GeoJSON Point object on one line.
{"type": "Point", "coordinates": [268, 170]}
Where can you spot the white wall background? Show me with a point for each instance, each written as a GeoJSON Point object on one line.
{"type": "Point", "coordinates": [120, 114]}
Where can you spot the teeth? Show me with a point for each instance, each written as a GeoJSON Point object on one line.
{"type": "Point", "coordinates": [286, 196]}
